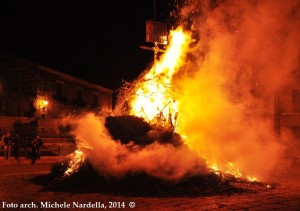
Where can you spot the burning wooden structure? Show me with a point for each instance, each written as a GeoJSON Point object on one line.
{"type": "Point", "coordinates": [220, 94]}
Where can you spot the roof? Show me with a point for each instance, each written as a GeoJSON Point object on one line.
{"type": "Point", "coordinates": [8, 63]}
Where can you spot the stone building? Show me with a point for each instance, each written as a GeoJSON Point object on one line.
{"type": "Point", "coordinates": [35, 91]}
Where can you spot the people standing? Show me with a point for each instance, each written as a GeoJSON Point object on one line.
{"type": "Point", "coordinates": [40, 144]}
{"type": "Point", "coordinates": [16, 146]}
{"type": "Point", "coordinates": [7, 145]}
{"type": "Point", "coordinates": [1, 143]}
{"type": "Point", "coordinates": [33, 150]}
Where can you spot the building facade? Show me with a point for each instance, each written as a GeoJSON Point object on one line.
{"type": "Point", "coordinates": [30, 90]}
{"type": "Point", "coordinates": [35, 91]}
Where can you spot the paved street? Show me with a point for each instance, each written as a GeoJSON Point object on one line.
{"type": "Point", "coordinates": [17, 189]}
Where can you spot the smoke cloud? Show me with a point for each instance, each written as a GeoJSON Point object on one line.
{"type": "Point", "coordinates": [113, 159]}
{"type": "Point", "coordinates": [247, 52]}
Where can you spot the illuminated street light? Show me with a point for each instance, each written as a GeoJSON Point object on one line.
{"type": "Point", "coordinates": [41, 104]}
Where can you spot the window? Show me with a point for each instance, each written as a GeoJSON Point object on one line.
{"type": "Point", "coordinates": [296, 100]}
{"type": "Point", "coordinates": [79, 94]}
{"type": "Point", "coordinates": [96, 100]}
{"type": "Point", "coordinates": [296, 131]}
{"type": "Point", "coordinates": [78, 100]}
{"type": "Point", "coordinates": [58, 90]}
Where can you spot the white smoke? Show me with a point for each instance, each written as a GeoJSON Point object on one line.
{"type": "Point", "coordinates": [111, 158]}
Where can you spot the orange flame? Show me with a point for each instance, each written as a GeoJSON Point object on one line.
{"type": "Point", "coordinates": [154, 99]}
{"type": "Point", "coordinates": [223, 111]}
{"type": "Point", "coordinates": [77, 158]}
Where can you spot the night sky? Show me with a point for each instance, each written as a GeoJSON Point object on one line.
{"type": "Point", "coordinates": [98, 41]}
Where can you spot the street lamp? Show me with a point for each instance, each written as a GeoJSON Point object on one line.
{"type": "Point", "coordinates": [41, 103]}
{"type": "Point", "coordinates": [44, 104]}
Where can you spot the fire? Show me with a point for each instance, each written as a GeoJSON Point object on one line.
{"type": "Point", "coordinates": [154, 100]}
{"type": "Point", "coordinates": [252, 179]}
{"type": "Point", "coordinates": [231, 169]}
{"type": "Point", "coordinates": [221, 102]}
{"type": "Point", "coordinates": [77, 158]}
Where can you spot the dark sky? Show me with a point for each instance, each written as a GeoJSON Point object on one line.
{"type": "Point", "coordinates": [98, 40]}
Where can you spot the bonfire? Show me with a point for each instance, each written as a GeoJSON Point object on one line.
{"type": "Point", "coordinates": [199, 111]}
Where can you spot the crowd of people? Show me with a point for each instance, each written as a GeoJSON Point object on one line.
{"type": "Point", "coordinates": [12, 144]}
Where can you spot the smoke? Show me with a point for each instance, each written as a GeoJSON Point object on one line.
{"type": "Point", "coordinates": [113, 159]}
{"type": "Point", "coordinates": [247, 52]}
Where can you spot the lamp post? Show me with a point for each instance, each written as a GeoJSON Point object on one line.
{"type": "Point", "coordinates": [42, 104]}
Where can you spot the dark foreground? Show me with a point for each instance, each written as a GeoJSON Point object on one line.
{"type": "Point", "coordinates": [32, 186]}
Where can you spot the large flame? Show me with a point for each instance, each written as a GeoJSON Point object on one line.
{"type": "Point", "coordinates": [154, 98]}
{"type": "Point", "coordinates": [199, 106]}
{"type": "Point", "coordinates": [157, 101]}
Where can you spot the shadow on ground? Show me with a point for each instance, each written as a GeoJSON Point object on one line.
{"type": "Point", "coordinates": [87, 180]}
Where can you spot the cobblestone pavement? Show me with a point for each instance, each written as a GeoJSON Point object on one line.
{"type": "Point", "coordinates": [17, 190]}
